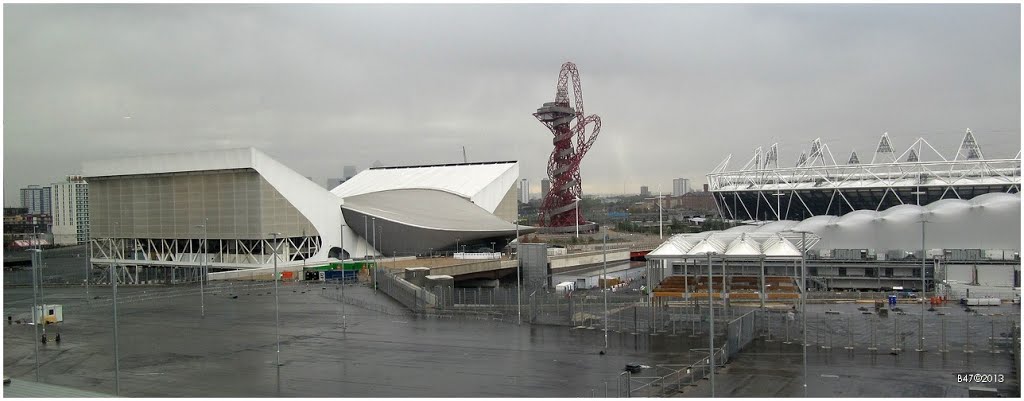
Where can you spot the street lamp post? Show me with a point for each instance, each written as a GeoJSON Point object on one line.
{"type": "Point", "coordinates": [113, 284]}
{"type": "Point", "coordinates": [36, 261]}
{"type": "Point", "coordinates": [661, 224]}
{"type": "Point", "coordinates": [277, 309]}
{"type": "Point", "coordinates": [374, 279]}
{"type": "Point", "coordinates": [202, 269]}
{"type": "Point", "coordinates": [803, 301]}
{"type": "Point", "coordinates": [88, 265]}
{"type": "Point", "coordinates": [711, 319]}
{"type": "Point", "coordinates": [519, 278]}
{"type": "Point", "coordinates": [924, 257]}
{"type": "Point", "coordinates": [604, 287]}
{"type": "Point", "coordinates": [577, 217]}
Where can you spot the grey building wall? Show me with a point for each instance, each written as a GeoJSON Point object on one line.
{"type": "Point", "coordinates": [534, 260]}
{"type": "Point", "coordinates": [545, 186]}
{"type": "Point", "coordinates": [239, 204]}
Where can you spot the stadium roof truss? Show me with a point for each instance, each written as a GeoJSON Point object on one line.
{"type": "Point", "coordinates": [761, 190]}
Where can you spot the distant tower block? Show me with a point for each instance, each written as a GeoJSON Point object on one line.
{"type": "Point", "coordinates": [559, 206]}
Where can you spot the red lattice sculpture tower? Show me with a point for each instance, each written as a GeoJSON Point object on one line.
{"type": "Point", "coordinates": [559, 207]}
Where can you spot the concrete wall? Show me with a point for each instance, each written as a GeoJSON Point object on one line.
{"type": "Point", "coordinates": [588, 258]}
{"type": "Point", "coordinates": [467, 268]}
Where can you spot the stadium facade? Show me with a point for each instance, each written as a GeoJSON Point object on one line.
{"type": "Point", "coordinates": [171, 210]}
{"type": "Point", "coordinates": [761, 190]}
{"type": "Point", "coordinates": [969, 241]}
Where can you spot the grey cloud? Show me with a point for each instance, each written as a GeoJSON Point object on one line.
{"type": "Point", "coordinates": [678, 86]}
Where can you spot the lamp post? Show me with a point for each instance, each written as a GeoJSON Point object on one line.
{"type": "Point", "coordinates": [661, 225]}
{"type": "Point", "coordinates": [519, 278]}
{"type": "Point", "coordinates": [202, 269]}
{"type": "Point", "coordinates": [803, 299]}
{"type": "Point", "coordinates": [604, 287]}
{"type": "Point", "coordinates": [36, 261]}
{"type": "Point", "coordinates": [277, 309]}
{"type": "Point", "coordinates": [88, 265]}
{"type": "Point", "coordinates": [113, 284]}
{"type": "Point", "coordinates": [924, 257]}
{"type": "Point", "coordinates": [577, 217]}
{"type": "Point", "coordinates": [374, 220]}
{"type": "Point", "coordinates": [711, 319]}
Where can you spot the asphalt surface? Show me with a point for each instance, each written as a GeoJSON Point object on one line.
{"type": "Point", "coordinates": [776, 370]}
{"type": "Point", "coordinates": [333, 350]}
{"type": "Point", "coordinates": [167, 350]}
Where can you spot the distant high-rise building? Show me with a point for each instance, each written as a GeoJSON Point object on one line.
{"type": "Point", "coordinates": [70, 201]}
{"type": "Point", "coordinates": [545, 186]}
{"type": "Point", "coordinates": [680, 186]}
{"type": "Point", "coordinates": [36, 199]}
{"type": "Point", "coordinates": [524, 191]}
{"type": "Point", "coordinates": [350, 171]}
{"type": "Point", "coordinates": [644, 191]}
{"type": "Point", "coordinates": [334, 182]}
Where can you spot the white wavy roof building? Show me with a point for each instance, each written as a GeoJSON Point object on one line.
{"type": "Point", "coordinates": [989, 221]}
{"type": "Point", "coordinates": [485, 184]}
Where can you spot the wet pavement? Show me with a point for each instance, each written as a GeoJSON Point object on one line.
{"type": "Point", "coordinates": [333, 350]}
{"type": "Point", "coordinates": [167, 349]}
{"type": "Point", "coordinates": [771, 368]}
{"type": "Point", "coordinates": [776, 370]}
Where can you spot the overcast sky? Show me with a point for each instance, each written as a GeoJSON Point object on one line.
{"type": "Point", "coordinates": [678, 87]}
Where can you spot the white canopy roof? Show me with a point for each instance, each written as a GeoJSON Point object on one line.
{"type": "Point", "coordinates": [989, 221]}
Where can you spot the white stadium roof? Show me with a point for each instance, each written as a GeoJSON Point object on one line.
{"type": "Point", "coordinates": [989, 221]}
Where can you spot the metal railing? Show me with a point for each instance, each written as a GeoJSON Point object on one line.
{"type": "Point", "coordinates": [666, 379]}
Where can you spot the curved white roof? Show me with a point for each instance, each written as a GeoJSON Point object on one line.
{"type": "Point", "coordinates": [485, 184]}
{"type": "Point", "coordinates": [989, 221]}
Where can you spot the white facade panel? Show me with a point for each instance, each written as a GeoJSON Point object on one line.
{"type": "Point", "coordinates": [959, 273]}
{"type": "Point", "coordinates": [996, 276]}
